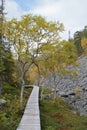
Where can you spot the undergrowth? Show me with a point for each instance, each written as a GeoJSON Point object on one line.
{"type": "Point", "coordinates": [57, 115]}
{"type": "Point", "coordinates": [10, 115]}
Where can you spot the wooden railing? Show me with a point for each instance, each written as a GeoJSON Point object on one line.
{"type": "Point", "coordinates": [31, 117]}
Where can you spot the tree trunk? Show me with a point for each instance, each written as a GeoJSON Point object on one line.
{"type": "Point", "coordinates": [42, 90]}
{"type": "Point", "coordinates": [55, 85]}
{"type": "Point", "coordinates": [21, 96]}
{"type": "Point", "coordinates": [22, 87]}
{"type": "Point", "coordinates": [38, 82]}
{"type": "Point", "coordinates": [0, 87]}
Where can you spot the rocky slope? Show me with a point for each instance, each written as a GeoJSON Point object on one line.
{"type": "Point", "coordinates": [74, 90]}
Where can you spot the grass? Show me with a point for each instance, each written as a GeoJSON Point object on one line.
{"type": "Point", "coordinates": [57, 115]}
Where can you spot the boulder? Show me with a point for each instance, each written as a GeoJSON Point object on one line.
{"type": "Point", "coordinates": [2, 102]}
{"type": "Point", "coordinates": [66, 85]}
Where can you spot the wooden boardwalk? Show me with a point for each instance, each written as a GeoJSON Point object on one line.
{"type": "Point", "coordinates": [31, 117]}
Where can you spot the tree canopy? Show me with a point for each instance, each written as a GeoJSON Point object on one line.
{"type": "Point", "coordinates": [35, 43]}
{"type": "Point", "coordinates": [80, 40]}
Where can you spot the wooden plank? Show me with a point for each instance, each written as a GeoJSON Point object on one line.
{"type": "Point", "coordinates": [31, 117]}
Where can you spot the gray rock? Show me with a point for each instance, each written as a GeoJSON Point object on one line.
{"type": "Point", "coordinates": [66, 85]}
{"type": "Point", "coordinates": [2, 101]}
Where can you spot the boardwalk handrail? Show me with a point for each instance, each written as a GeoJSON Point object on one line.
{"type": "Point", "coordinates": [31, 117]}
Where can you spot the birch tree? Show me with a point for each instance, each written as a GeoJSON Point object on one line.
{"type": "Point", "coordinates": [27, 38]}
{"type": "Point", "coordinates": [18, 36]}
{"type": "Point", "coordinates": [56, 59]}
